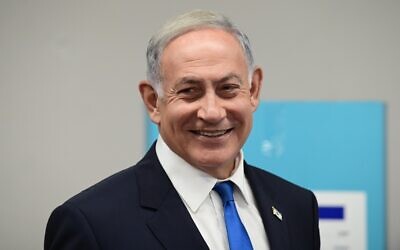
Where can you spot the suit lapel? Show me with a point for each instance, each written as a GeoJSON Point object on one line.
{"type": "Point", "coordinates": [276, 229]}
{"type": "Point", "coordinates": [171, 224]}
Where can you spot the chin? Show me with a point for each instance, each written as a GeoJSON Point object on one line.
{"type": "Point", "coordinates": [215, 161]}
{"type": "Point", "coordinates": [211, 157]}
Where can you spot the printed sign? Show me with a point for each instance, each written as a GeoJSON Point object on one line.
{"type": "Point", "coordinates": [343, 220]}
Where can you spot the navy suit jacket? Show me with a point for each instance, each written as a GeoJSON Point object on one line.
{"type": "Point", "coordinates": [138, 208]}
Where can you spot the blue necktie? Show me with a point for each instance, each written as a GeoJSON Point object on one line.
{"type": "Point", "coordinates": [237, 234]}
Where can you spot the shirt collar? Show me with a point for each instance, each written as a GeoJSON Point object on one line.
{"type": "Point", "coordinates": [192, 184]}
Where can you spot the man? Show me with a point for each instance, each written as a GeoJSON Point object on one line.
{"type": "Point", "coordinates": [201, 91]}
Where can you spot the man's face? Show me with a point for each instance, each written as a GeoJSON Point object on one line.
{"type": "Point", "coordinates": [205, 113]}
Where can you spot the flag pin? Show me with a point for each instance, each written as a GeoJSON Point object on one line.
{"type": "Point", "coordinates": [276, 213]}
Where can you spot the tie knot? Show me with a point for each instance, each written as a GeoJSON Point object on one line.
{"type": "Point", "coordinates": [225, 191]}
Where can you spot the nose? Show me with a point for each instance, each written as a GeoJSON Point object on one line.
{"type": "Point", "coordinates": [211, 109]}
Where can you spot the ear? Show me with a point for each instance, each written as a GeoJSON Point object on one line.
{"type": "Point", "coordinates": [150, 100]}
{"type": "Point", "coordinates": [256, 84]}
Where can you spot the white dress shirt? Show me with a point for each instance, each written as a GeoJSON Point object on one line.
{"type": "Point", "coordinates": [204, 205]}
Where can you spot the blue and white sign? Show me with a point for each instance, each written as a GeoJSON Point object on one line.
{"type": "Point", "coordinates": [343, 219]}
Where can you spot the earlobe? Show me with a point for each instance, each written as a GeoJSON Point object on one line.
{"type": "Point", "coordinates": [256, 84]}
{"type": "Point", "coordinates": [150, 100]}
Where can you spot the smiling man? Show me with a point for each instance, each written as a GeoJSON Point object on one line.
{"type": "Point", "coordinates": [193, 189]}
{"type": "Point", "coordinates": [204, 110]}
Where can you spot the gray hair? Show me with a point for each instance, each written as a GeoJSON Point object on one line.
{"type": "Point", "coordinates": [193, 20]}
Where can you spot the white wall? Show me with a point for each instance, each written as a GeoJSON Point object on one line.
{"type": "Point", "coordinates": [70, 113]}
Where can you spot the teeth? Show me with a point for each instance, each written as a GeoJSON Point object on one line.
{"type": "Point", "coordinates": [212, 133]}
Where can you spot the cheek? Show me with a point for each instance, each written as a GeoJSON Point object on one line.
{"type": "Point", "coordinates": [176, 116]}
{"type": "Point", "coordinates": [243, 116]}
{"type": "Point", "coordinates": [242, 110]}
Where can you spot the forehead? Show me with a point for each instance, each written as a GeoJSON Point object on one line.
{"type": "Point", "coordinates": [201, 35]}
{"type": "Point", "coordinates": [203, 49]}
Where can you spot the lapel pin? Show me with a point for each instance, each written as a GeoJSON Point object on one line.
{"type": "Point", "coordinates": [276, 213]}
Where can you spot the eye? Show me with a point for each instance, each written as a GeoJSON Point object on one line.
{"type": "Point", "coordinates": [229, 87]}
{"type": "Point", "coordinates": [228, 90]}
{"type": "Point", "coordinates": [189, 92]}
{"type": "Point", "coordinates": [186, 90]}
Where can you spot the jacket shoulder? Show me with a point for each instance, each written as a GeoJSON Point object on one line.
{"type": "Point", "coordinates": [276, 185]}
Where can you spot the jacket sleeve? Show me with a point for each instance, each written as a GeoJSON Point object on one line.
{"type": "Point", "coordinates": [68, 228]}
{"type": "Point", "coordinates": [317, 241]}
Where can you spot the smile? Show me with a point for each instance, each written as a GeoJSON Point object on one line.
{"type": "Point", "coordinates": [211, 133]}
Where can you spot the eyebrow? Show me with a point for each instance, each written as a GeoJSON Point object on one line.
{"type": "Point", "coordinates": [196, 80]}
{"type": "Point", "coordinates": [230, 76]}
{"type": "Point", "coordinates": [189, 80]}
